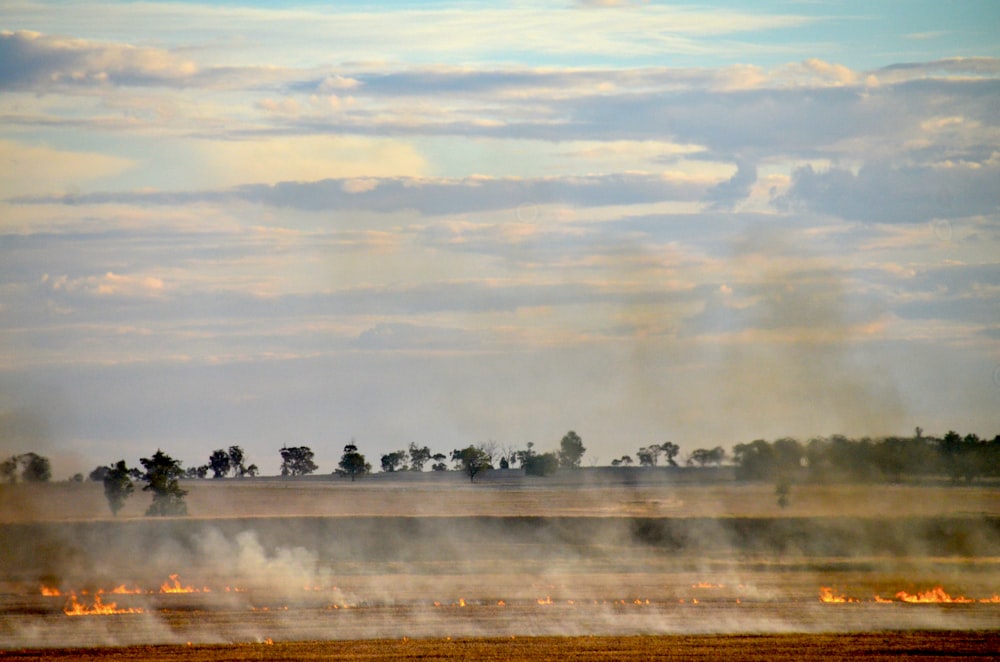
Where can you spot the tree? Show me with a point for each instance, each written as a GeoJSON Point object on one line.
{"type": "Point", "coordinates": [8, 470]}
{"type": "Point", "coordinates": [219, 463]}
{"type": "Point", "coordinates": [670, 450]}
{"type": "Point", "coordinates": [117, 485]}
{"type": "Point", "coordinates": [236, 458]}
{"type": "Point", "coordinates": [392, 461]}
{"type": "Point", "coordinates": [439, 462]}
{"type": "Point", "coordinates": [352, 463]}
{"type": "Point", "coordinates": [297, 461]}
{"type": "Point", "coordinates": [196, 472]}
{"type": "Point", "coordinates": [623, 461]}
{"type": "Point", "coordinates": [703, 456]}
{"type": "Point", "coordinates": [571, 450]}
{"type": "Point", "coordinates": [419, 456]}
{"type": "Point", "coordinates": [472, 460]}
{"type": "Point", "coordinates": [541, 464]}
{"type": "Point", "coordinates": [98, 474]}
{"type": "Point", "coordinates": [162, 479]}
{"type": "Point", "coordinates": [649, 455]}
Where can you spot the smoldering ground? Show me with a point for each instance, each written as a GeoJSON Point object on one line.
{"type": "Point", "coordinates": [499, 572]}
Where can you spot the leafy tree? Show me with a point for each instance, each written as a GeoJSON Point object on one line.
{"type": "Point", "coordinates": [541, 464]}
{"type": "Point", "coordinates": [251, 471]}
{"type": "Point", "coordinates": [670, 450]}
{"type": "Point", "coordinates": [439, 462]}
{"type": "Point", "coordinates": [472, 460]}
{"type": "Point", "coordinates": [352, 463]}
{"type": "Point", "coordinates": [623, 461]}
{"type": "Point", "coordinates": [219, 463]}
{"type": "Point", "coordinates": [649, 455]}
{"type": "Point", "coordinates": [77, 478]}
{"type": "Point", "coordinates": [297, 461]}
{"type": "Point", "coordinates": [571, 450]}
{"type": "Point", "coordinates": [117, 485]}
{"type": "Point", "coordinates": [754, 461]}
{"type": "Point", "coordinates": [196, 472]}
{"type": "Point", "coordinates": [419, 456]}
{"type": "Point", "coordinates": [704, 456]}
{"type": "Point", "coordinates": [392, 461]}
{"type": "Point", "coordinates": [162, 479]}
{"type": "Point", "coordinates": [98, 474]}
{"type": "Point", "coordinates": [8, 470]}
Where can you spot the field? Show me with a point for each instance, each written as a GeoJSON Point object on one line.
{"type": "Point", "coordinates": [612, 566]}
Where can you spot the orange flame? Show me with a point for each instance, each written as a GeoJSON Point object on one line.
{"type": "Point", "coordinates": [50, 591]}
{"type": "Point", "coordinates": [707, 585]}
{"type": "Point", "coordinates": [75, 608]}
{"type": "Point", "coordinates": [826, 595]}
{"type": "Point", "coordinates": [166, 587]}
{"type": "Point", "coordinates": [934, 595]}
{"type": "Point", "coordinates": [546, 601]}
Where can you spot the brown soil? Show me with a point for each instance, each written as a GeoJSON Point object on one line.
{"type": "Point", "coordinates": [770, 648]}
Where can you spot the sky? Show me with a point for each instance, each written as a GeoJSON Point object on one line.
{"type": "Point", "coordinates": [267, 224]}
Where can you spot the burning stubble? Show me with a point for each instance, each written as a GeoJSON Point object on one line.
{"type": "Point", "coordinates": [494, 573]}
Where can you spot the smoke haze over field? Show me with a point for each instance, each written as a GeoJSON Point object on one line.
{"type": "Point", "coordinates": [481, 561]}
{"type": "Point", "coordinates": [457, 223]}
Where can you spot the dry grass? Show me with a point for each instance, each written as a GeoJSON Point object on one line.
{"type": "Point", "coordinates": [376, 498]}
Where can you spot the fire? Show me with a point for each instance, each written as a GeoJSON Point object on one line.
{"type": "Point", "coordinates": [934, 595]}
{"type": "Point", "coordinates": [826, 595]}
{"type": "Point", "coordinates": [546, 601]}
{"type": "Point", "coordinates": [707, 585]}
{"type": "Point", "coordinates": [124, 590]}
{"type": "Point", "coordinates": [50, 591]}
{"type": "Point", "coordinates": [176, 587]}
{"type": "Point", "coordinates": [75, 608]}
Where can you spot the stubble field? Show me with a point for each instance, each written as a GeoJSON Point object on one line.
{"type": "Point", "coordinates": [618, 566]}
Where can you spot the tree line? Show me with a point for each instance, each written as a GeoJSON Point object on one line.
{"type": "Point", "coordinates": [890, 459]}
{"type": "Point", "coordinates": [786, 460]}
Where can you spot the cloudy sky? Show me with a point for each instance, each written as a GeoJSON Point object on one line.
{"type": "Point", "coordinates": [260, 223]}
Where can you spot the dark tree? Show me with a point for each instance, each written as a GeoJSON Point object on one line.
{"type": "Point", "coordinates": [8, 470]}
{"type": "Point", "coordinates": [541, 464]}
{"type": "Point", "coordinates": [392, 461]}
{"type": "Point", "coordinates": [34, 467]}
{"type": "Point", "coordinates": [352, 463]}
{"type": "Point", "coordinates": [623, 461]}
{"type": "Point", "coordinates": [472, 460]}
{"type": "Point", "coordinates": [98, 474]}
{"type": "Point", "coordinates": [649, 455]}
{"type": "Point", "coordinates": [439, 462]}
{"type": "Point", "coordinates": [197, 472]}
{"type": "Point", "coordinates": [219, 463]}
{"type": "Point", "coordinates": [704, 456]}
{"type": "Point", "coordinates": [670, 450]}
{"type": "Point", "coordinates": [297, 461]}
{"type": "Point", "coordinates": [162, 478]}
{"type": "Point", "coordinates": [117, 485]}
{"type": "Point", "coordinates": [419, 456]}
{"type": "Point", "coordinates": [571, 450]}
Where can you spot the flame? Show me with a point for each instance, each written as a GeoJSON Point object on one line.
{"type": "Point", "coordinates": [75, 608]}
{"type": "Point", "coordinates": [826, 595]}
{"type": "Point", "coordinates": [50, 591]}
{"type": "Point", "coordinates": [934, 595]}
{"type": "Point", "coordinates": [124, 590]}
{"type": "Point", "coordinates": [501, 603]}
{"type": "Point", "coordinates": [546, 601]}
{"type": "Point", "coordinates": [707, 585]}
{"type": "Point", "coordinates": [166, 587]}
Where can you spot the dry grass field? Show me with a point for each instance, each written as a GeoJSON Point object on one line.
{"type": "Point", "coordinates": [614, 568]}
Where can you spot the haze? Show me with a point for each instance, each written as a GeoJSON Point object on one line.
{"type": "Point", "coordinates": [255, 224]}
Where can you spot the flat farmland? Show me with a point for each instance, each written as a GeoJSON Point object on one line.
{"type": "Point", "coordinates": [289, 569]}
